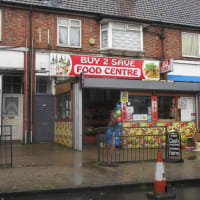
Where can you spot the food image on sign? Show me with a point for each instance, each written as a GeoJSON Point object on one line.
{"type": "Point", "coordinates": [151, 70]}
{"type": "Point", "coordinates": [61, 64]}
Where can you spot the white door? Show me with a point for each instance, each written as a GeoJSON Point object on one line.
{"type": "Point", "coordinates": [13, 114]}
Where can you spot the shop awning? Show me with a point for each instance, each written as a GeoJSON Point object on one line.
{"type": "Point", "coordinates": [111, 83]}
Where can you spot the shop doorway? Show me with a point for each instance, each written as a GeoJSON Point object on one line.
{"type": "Point", "coordinates": [44, 119]}
{"type": "Point", "coordinates": [97, 107]}
{"type": "Point", "coordinates": [13, 114]}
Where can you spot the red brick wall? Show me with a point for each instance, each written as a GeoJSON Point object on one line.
{"type": "Point", "coordinates": [45, 22]}
{"type": "Point", "coordinates": [15, 27]}
{"type": "Point", "coordinates": [152, 43]}
{"type": "Point", "coordinates": [15, 23]}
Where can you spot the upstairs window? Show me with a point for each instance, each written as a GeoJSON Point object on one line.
{"type": "Point", "coordinates": [121, 36]}
{"type": "Point", "coordinates": [190, 44]}
{"type": "Point", "coordinates": [69, 32]}
{"type": "Point", "coordinates": [0, 23]}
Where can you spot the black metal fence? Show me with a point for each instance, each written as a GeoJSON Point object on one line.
{"type": "Point", "coordinates": [129, 144]}
{"type": "Point", "coordinates": [6, 155]}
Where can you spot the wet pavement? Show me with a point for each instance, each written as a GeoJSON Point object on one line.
{"type": "Point", "coordinates": [51, 166]}
{"type": "Point", "coordinates": [181, 192]}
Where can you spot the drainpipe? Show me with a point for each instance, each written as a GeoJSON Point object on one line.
{"type": "Point", "coordinates": [25, 93]}
{"type": "Point", "coordinates": [29, 137]}
{"type": "Point", "coordinates": [162, 37]}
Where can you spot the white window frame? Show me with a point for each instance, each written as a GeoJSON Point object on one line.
{"type": "Point", "coordinates": [68, 26]}
{"type": "Point", "coordinates": [198, 44]}
{"type": "Point", "coordinates": [0, 24]}
{"type": "Point", "coordinates": [109, 29]}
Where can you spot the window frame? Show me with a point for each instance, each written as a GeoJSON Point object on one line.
{"type": "Point", "coordinates": [60, 113]}
{"type": "Point", "coordinates": [68, 26]}
{"type": "Point", "coordinates": [177, 96]}
{"type": "Point", "coordinates": [198, 36]}
{"type": "Point", "coordinates": [109, 30]}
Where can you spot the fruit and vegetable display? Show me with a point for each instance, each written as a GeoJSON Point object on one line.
{"type": "Point", "coordinates": [185, 129]}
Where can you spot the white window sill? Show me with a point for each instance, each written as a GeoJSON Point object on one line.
{"type": "Point", "coordinates": [65, 46]}
{"type": "Point", "coordinates": [124, 52]}
{"type": "Point", "coordinates": [190, 56]}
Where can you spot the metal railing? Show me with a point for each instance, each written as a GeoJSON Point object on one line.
{"type": "Point", "coordinates": [6, 154]}
{"type": "Point", "coordinates": [129, 144]}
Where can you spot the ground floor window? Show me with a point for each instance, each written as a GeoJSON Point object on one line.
{"type": "Point", "coordinates": [13, 84]}
{"type": "Point", "coordinates": [63, 106]}
{"type": "Point", "coordinates": [43, 85]}
{"type": "Point", "coordinates": [115, 108]}
{"type": "Point", "coordinates": [187, 108]}
{"type": "Point", "coordinates": [166, 107]}
{"type": "Point", "coordinates": [161, 106]}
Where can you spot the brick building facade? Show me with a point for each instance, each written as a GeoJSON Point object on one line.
{"type": "Point", "coordinates": [22, 22]}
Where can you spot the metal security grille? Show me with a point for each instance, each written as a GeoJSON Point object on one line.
{"type": "Point", "coordinates": [117, 145]}
{"type": "Point", "coordinates": [6, 155]}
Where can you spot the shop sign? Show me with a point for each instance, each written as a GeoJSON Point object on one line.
{"type": "Point", "coordinates": [154, 108]}
{"type": "Point", "coordinates": [91, 66]}
{"type": "Point", "coordinates": [173, 145]}
{"type": "Point", "coordinates": [166, 66]}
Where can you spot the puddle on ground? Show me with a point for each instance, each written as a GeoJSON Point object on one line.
{"type": "Point", "coordinates": [191, 158]}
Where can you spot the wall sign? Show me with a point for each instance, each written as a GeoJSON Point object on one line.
{"type": "Point", "coordinates": [166, 66]}
{"type": "Point", "coordinates": [91, 66]}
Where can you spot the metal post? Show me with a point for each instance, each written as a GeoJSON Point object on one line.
{"type": "Point", "coordinates": [11, 156]}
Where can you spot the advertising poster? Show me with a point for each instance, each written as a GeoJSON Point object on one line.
{"type": "Point", "coordinates": [124, 111]}
{"type": "Point", "coordinates": [124, 96]}
{"type": "Point", "coordinates": [154, 108]}
{"type": "Point", "coordinates": [130, 111]}
{"type": "Point", "coordinates": [182, 103]}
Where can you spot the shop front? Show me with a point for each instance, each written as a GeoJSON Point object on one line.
{"type": "Point", "coordinates": [95, 92]}
{"type": "Point", "coordinates": [150, 104]}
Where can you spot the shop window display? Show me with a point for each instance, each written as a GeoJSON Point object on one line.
{"type": "Point", "coordinates": [63, 106]}
{"type": "Point", "coordinates": [166, 107]}
{"type": "Point", "coordinates": [63, 129]}
{"type": "Point", "coordinates": [140, 107]}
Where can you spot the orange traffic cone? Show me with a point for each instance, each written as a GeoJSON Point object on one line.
{"type": "Point", "coordinates": [160, 178]}
{"type": "Point", "coordinates": [160, 185]}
